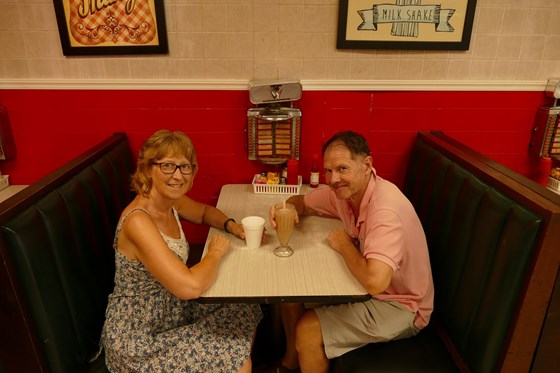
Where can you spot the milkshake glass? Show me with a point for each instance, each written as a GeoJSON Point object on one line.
{"type": "Point", "coordinates": [285, 219]}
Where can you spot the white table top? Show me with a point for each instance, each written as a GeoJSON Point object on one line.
{"type": "Point", "coordinates": [314, 272]}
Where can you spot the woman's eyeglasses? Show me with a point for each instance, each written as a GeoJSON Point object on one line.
{"type": "Point", "coordinates": [170, 168]}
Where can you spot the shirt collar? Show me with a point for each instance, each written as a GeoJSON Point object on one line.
{"type": "Point", "coordinates": [366, 199]}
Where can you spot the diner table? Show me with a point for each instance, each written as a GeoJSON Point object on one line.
{"type": "Point", "coordinates": [315, 273]}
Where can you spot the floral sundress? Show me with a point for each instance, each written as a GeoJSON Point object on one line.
{"type": "Point", "coordinates": [148, 329]}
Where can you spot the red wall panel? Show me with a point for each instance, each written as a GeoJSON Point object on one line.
{"type": "Point", "coordinates": [52, 127]}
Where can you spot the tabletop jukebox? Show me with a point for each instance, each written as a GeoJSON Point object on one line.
{"type": "Point", "coordinates": [274, 124]}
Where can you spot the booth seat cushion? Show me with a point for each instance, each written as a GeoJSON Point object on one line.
{"type": "Point", "coordinates": [61, 250]}
{"type": "Point", "coordinates": [424, 353]}
{"type": "Point", "coordinates": [481, 245]}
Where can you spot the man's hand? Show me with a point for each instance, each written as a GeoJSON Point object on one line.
{"type": "Point", "coordinates": [338, 239]}
{"type": "Point", "coordinates": [272, 213]}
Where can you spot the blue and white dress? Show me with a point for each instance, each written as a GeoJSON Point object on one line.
{"type": "Point", "coordinates": [148, 329]}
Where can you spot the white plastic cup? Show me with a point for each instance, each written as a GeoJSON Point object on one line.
{"type": "Point", "coordinates": [253, 226]}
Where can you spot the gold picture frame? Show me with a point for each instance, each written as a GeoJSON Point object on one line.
{"type": "Point", "coordinates": [90, 27]}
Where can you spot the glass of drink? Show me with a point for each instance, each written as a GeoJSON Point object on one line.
{"type": "Point", "coordinates": [285, 219]}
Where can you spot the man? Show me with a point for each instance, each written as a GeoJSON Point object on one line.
{"type": "Point", "coordinates": [383, 245]}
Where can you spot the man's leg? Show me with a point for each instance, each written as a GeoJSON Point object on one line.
{"type": "Point", "coordinates": [309, 344]}
{"type": "Point", "coordinates": [290, 313]}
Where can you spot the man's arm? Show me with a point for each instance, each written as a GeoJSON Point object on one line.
{"type": "Point", "coordinates": [297, 201]}
{"type": "Point", "coordinates": [374, 275]}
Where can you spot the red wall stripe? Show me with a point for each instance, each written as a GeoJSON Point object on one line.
{"type": "Point", "coordinates": [52, 127]}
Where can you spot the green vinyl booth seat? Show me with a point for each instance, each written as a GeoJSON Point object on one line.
{"type": "Point", "coordinates": [491, 236]}
{"type": "Point", "coordinates": [493, 240]}
{"type": "Point", "coordinates": [58, 263]}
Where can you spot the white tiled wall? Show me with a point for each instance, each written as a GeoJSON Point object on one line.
{"type": "Point", "coordinates": [285, 39]}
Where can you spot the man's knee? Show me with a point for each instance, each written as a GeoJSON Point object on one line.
{"type": "Point", "coordinates": [308, 331]}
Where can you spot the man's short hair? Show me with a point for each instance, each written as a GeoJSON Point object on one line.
{"type": "Point", "coordinates": [355, 142]}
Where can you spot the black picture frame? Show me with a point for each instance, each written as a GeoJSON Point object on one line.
{"type": "Point", "coordinates": [129, 24]}
{"type": "Point", "coordinates": [405, 24]}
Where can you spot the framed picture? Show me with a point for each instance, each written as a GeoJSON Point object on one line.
{"type": "Point", "coordinates": [405, 24]}
{"type": "Point", "coordinates": [92, 27]}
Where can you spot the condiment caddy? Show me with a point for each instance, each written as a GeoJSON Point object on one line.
{"type": "Point", "coordinates": [260, 187]}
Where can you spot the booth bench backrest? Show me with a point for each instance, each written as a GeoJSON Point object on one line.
{"type": "Point", "coordinates": [492, 251]}
{"type": "Point", "coordinates": [58, 261]}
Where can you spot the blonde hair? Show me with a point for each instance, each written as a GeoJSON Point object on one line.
{"type": "Point", "coordinates": [161, 144]}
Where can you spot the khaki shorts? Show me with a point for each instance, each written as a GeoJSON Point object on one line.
{"type": "Point", "coordinates": [346, 327]}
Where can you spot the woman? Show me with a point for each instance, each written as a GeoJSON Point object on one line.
{"type": "Point", "coordinates": [152, 324]}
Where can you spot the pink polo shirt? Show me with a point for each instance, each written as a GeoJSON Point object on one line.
{"type": "Point", "coordinates": [388, 230]}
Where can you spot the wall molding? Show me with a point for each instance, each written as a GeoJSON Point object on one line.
{"type": "Point", "coordinates": [308, 85]}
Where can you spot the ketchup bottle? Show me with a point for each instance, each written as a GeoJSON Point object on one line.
{"type": "Point", "coordinates": [314, 178]}
{"type": "Point", "coordinates": [545, 165]}
{"type": "Point", "coordinates": [292, 172]}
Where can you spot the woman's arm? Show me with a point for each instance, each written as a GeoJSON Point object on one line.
{"type": "Point", "coordinates": [200, 213]}
{"type": "Point", "coordinates": [140, 240]}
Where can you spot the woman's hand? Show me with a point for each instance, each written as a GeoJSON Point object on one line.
{"type": "Point", "coordinates": [219, 245]}
{"type": "Point", "coordinates": [237, 230]}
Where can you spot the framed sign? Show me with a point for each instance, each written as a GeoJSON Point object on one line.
{"type": "Point", "coordinates": [109, 27]}
{"type": "Point", "coordinates": [405, 24]}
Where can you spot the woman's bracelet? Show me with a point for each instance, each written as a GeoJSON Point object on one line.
{"type": "Point", "coordinates": [226, 223]}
